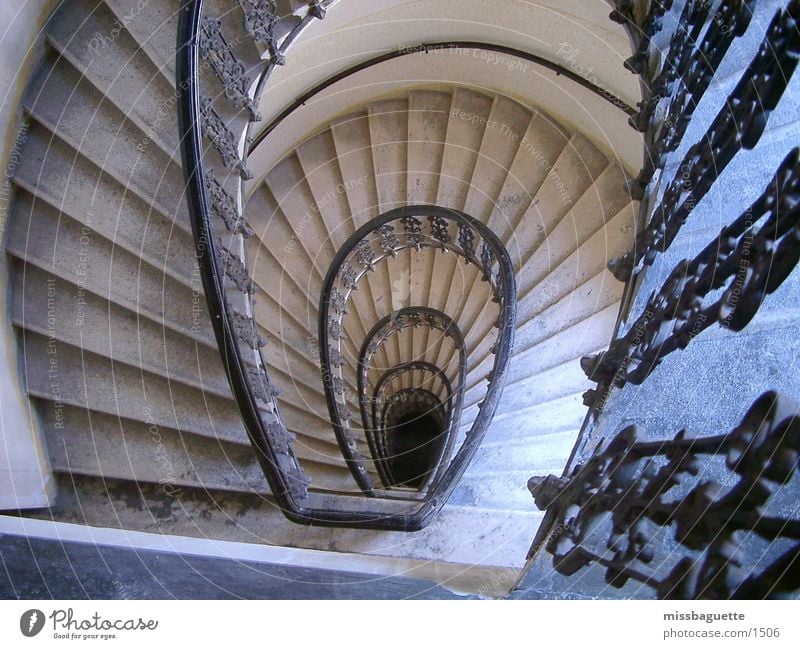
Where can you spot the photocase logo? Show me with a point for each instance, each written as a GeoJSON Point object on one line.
{"type": "Point", "coordinates": [31, 622]}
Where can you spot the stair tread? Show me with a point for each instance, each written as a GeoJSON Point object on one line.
{"type": "Point", "coordinates": [97, 444]}
{"type": "Point", "coordinates": [83, 319]}
{"type": "Point", "coordinates": [469, 114]}
{"type": "Point", "coordinates": [153, 25]}
{"type": "Point", "coordinates": [57, 174]}
{"type": "Point", "coordinates": [85, 32]}
{"type": "Point", "coordinates": [351, 137]}
{"type": "Point", "coordinates": [388, 125]}
{"type": "Point", "coordinates": [599, 203]}
{"type": "Point", "coordinates": [112, 273]}
{"type": "Point", "coordinates": [427, 131]}
{"type": "Point", "coordinates": [66, 104]}
{"type": "Point", "coordinates": [505, 128]}
{"type": "Point", "coordinates": [539, 148]}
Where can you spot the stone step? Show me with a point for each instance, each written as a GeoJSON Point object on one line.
{"type": "Point", "coordinates": [388, 129]}
{"type": "Point", "coordinates": [598, 204]}
{"type": "Point", "coordinates": [88, 443]}
{"type": "Point", "coordinates": [87, 34]}
{"type": "Point", "coordinates": [456, 533]}
{"type": "Point", "coordinates": [153, 25]}
{"type": "Point", "coordinates": [565, 413]}
{"type": "Point", "coordinates": [427, 132]}
{"type": "Point", "coordinates": [63, 100]}
{"type": "Point", "coordinates": [351, 136]}
{"type": "Point", "coordinates": [82, 319]}
{"type": "Point", "coordinates": [507, 124]}
{"type": "Point", "coordinates": [540, 147]}
{"type": "Point", "coordinates": [585, 263]}
{"type": "Point", "coordinates": [469, 114]}
{"type": "Point", "coordinates": [578, 165]}
{"type": "Point", "coordinates": [58, 175]}
{"type": "Point", "coordinates": [103, 269]}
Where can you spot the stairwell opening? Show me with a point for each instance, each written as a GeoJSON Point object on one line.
{"type": "Point", "coordinates": [415, 442]}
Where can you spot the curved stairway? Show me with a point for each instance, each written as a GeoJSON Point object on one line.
{"type": "Point", "coordinates": [558, 204]}
{"type": "Point", "coordinates": [117, 349]}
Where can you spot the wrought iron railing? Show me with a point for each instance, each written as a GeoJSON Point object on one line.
{"type": "Point", "coordinates": [739, 125]}
{"type": "Point", "coordinates": [226, 52]}
{"type": "Point", "coordinates": [677, 311]}
{"type": "Point", "coordinates": [690, 68]}
{"type": "Point", "coordinates": [724, 284]}
{"type": "Point", "coordinates": [419, 228]}
{"type": "Point", "coordinates": [614, 505]}
{"type": "Point", "coordinates": [383, 330]}
{"type": "Point", "coordinates": [615, 509]}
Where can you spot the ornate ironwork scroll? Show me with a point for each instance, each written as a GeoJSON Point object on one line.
{"type": "Point", "coordinates": [729, 22]}
{"type": "Point", "coordinates": [739, 125]}
{"type": "Point", "coordinates": [223, 206]}
{"type": "Point", "coordinates": [675, 62]}
{"type": "Point", "coordinates": [222, 138]}
{"type": "Point", "coordinates": [229, 70]}
{"type": "Point", "coordinates": [260, 21]}
{"type": "Point", "coordinates": [235, 269]}
{"type": "Point", "coordinates": [444, 231]}
{"type": "Point", "coordinates": [749, 259]}
{"type": "Point", "coordinates": [633, 493]}
{"type": "Point", "coordinates": [641, 34]}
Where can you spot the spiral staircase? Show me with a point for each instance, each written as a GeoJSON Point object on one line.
{"type": "Point", "coordinates": [119, 356]}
